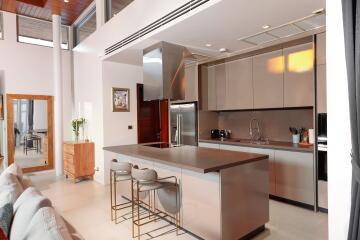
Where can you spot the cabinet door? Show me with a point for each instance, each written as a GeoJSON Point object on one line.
{"type": "Point", "coordinates": [220, 78]}
{"type": "Point", "coordinates": [321, 48]}
{"type": "Point", "coordinates": [211, 89]}
{"type": "Point", "coordinates": [321, 88]}
{"type": "Point", "coordinates": [299, 76]}
{"type": "Point", "coordinates": [239, 84]}
{"type": "Point", "coordinates": [269, 152]}
{"type": "Point", "coordinates": [294, 175]}
{"type": "Point", "coordinates": [191, 76]}
{"type": "Point", "coordinates": [268, 80]}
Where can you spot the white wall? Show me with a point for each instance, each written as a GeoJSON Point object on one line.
{"type": "Point", "coordinates": [339, 145]}
{"type": "Point", "coordinates": [116, 124]}
{"type": "Point", "coordinates": [88, 90]}
{"type": "Point", "coordinates": [27, 69]}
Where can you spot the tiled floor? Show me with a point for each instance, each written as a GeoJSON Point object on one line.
{"type": "Point", "coordinates": [86, 206]}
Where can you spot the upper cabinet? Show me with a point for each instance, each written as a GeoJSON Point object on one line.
{"type": "Point", "coordinates": [321, 88]}
{"type": "Point", "coordinates": [279, 79]}
{"type": "Point", "coordinates": [321, 72]}
{"type": "Point", "coordinates": [211, 87]}
{"type": "Point", "coordinates": [321, 48]}
{"type": "Point", "coordinates": [239, 84]}
{"type": "Point", "coordinates": [191, 76]}
{"type": "Point", "coordinates": [299, 76]}
{"type": "Point", "coordinates": [216, 87]}
{"type": "Point", "coordinates": [268, 80]}
{"type": "Point", "coordinates": [220, 79]}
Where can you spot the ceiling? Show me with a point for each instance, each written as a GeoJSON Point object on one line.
{"type": "Point", "coordinates": [43, 9]}
{"type": "Point", "coordinates": [222, 24]}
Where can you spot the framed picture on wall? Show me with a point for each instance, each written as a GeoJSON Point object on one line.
{"type": "Point", "coordinates": [121, 99]}
{"type": "Point", "coordinates": [1, 107]}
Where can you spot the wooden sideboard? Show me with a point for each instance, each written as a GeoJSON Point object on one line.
{"type": "Point", "coordinates": [79, 159]}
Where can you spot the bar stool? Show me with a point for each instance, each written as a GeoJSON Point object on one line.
{"type": "Point", "coordinates": [147, 181]}
{"type": "Point", "coordinates": [119, 172]}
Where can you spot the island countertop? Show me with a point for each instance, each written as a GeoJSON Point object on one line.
{"type": "Point", "coordinates": [193, 158]}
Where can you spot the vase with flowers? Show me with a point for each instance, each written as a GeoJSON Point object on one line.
{"type": "Point", "coordinates": [77, 123]}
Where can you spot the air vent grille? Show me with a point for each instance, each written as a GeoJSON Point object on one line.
{"type": "Point", "coordinates": [191, 5]}
{"type": "Point", "coordinates": [308, 23]}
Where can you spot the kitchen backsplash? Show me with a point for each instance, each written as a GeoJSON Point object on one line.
{"type": "Point", "coordinates": [274, 123]}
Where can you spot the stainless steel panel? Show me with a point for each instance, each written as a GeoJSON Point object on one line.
{"type": "Point", "coordinates": [183, 124]}
{"type": "Point", "coordinates": [164, 73]}
{"type": "Point", "coordinates": [295, 176]}
{"type": "Point", "coordinates": [244, 200]}
{"type": "Point", "coordinates": [188, 124]}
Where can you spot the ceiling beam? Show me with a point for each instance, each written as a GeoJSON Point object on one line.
{"type": "Point", "coordinates": [9, 6]}
{"type": "Point", "coordinates": [38, 3]}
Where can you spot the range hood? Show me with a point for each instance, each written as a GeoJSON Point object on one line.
{"type": "Point", "coordinates": [164, 72]}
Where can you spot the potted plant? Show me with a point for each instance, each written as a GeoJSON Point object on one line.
{"type": "Point", "coordinates": [76, 124]}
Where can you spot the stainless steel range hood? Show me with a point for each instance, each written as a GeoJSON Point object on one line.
{"type": "Point", "coordinates": [164, 73]}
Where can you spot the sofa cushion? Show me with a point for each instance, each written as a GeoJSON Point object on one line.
{"type": "Point", "coordinates": [16, 170]}
{"type": "Point", "coordinates": [47, 224]}
{"type": "Point", "coordinates": [10, 188]}
{"type": "Point", "coordinates": [6, 216]}
{"type": "Point", "coordinates": [24, 210]}
{"type": "Point", "coordinates": [28, 193]}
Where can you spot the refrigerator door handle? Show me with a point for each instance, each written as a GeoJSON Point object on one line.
{"type": "Point", "coordinates": [177, 130]}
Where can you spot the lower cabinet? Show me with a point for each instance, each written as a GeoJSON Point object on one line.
{"type": "Point", "coordinates": [291, 174]}
{"type": "Point", "coordinates": [295, 176]}
{"type": "Point", "coordinates": [269, 152]}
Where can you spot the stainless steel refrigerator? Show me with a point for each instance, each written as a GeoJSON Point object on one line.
{"type": "Point", "coordinates": [183, 124]}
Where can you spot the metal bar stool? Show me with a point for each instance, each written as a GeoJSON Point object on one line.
{"type": "Point", "coordinates": [119, 171]}
{"type": "Point", "coordinates": [147, 181]}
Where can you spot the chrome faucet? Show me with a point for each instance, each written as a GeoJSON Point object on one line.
{"type": "Point", "coordinates": [255, 132]}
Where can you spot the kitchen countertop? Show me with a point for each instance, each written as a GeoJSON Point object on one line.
{"type": "Point", "coordinates": [271, 144]}
{"type": "Point", "coordinates": [193, 158]}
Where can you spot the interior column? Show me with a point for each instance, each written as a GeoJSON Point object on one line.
{"type": "Point", "coordinates": [57, 78]}
{"type": "Point", "coordinates": [100, 13]}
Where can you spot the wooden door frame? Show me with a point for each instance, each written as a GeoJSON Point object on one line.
{"type": "Point", "coordinates": [10, 129]}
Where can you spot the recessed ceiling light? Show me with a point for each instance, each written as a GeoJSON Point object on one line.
{"type": "Point", "coordinates": [208, 45]}
{"type": "Point", "coordinates": [223, 50]}
{"type": "Point", "coordinates": [66, 1]}
{"type": "Point", "coordinates": [266, 26]}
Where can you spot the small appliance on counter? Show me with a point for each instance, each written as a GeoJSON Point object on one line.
{"type": "Point", "coordinates": [215, 133]}
{"type": "Point", "coordinates": [222, 134]}
{"type": "Point", "coordinates": [225, 133]}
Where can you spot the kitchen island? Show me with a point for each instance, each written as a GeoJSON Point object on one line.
{"type": "Point", "coordinates": [224, 194]}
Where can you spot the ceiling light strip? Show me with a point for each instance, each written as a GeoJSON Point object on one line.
{"type": "Point", "coordinates": [191, 5]}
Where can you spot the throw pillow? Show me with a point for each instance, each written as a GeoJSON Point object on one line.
{"type": "Point", "coordinates": [47, 224]}
{"type": "Point", "coordinates": [29, 193]}
{"type": "Point", "coordinates": [10, 188]}
{"type": "Point", "coordinates": [24, 210]}
{"type": "Point", "coordinates": [16, 170]}
{"type": "Point", "coordinates": [6, 215]}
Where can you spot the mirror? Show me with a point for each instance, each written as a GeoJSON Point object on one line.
{"type": "Point", "coordinates": [30, 131]}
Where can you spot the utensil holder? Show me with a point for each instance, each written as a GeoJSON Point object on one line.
{"type": "Point", "coordinates": [296, 138]}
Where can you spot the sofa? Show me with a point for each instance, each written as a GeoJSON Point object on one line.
{"type": "Point", "coordinates": [26, 214]}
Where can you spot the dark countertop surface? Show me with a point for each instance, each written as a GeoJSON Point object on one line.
{"type": "Point", "coordinates": [193, 158]}
{"type": "Point", "coordinates": [270, 144]}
